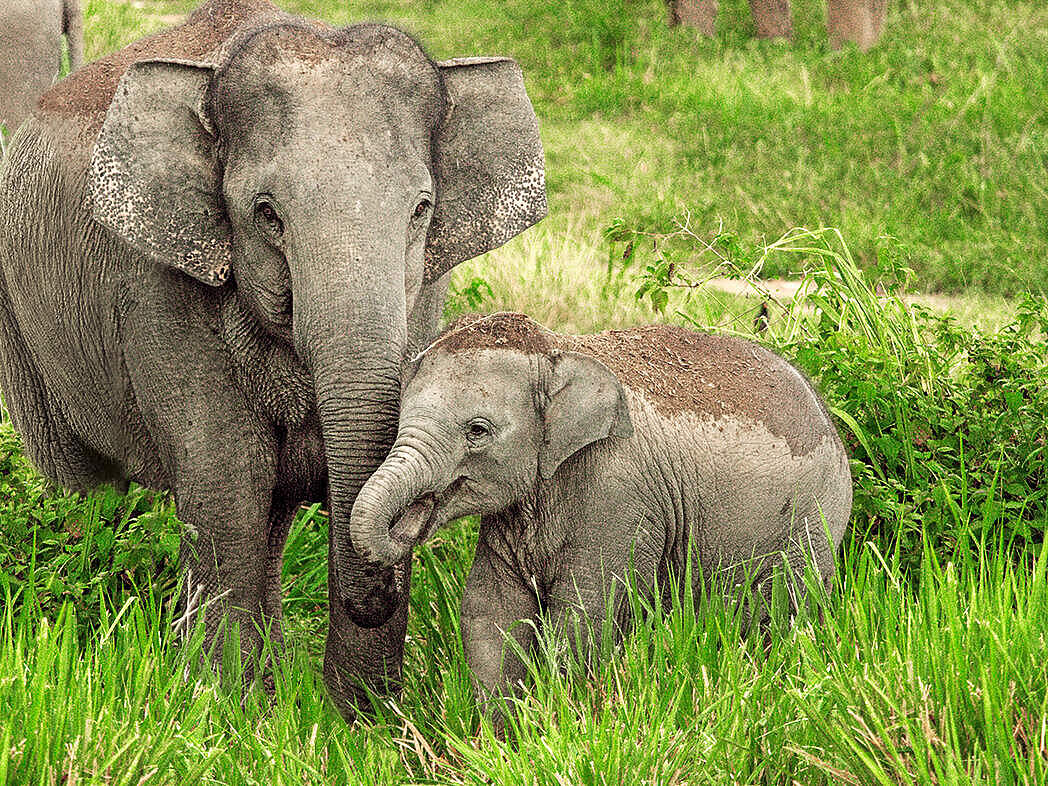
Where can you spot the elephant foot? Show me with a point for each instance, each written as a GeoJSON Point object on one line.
{"type": "Point", "coordinates": [352, 694]}
{"type": "Point", "coordinates": [361, 663]}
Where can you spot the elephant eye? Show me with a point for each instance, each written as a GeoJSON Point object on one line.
{"type": "Point", "coordinates": [422, 208]}
{"type": "Point", "coordinates": [267, 217]}
{"type": "Point", "coordinates": [478, 431]}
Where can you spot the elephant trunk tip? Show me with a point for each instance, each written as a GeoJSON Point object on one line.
{"type": "Point", "coordinates": [377, 592]}
{"type": "Point", "coordinates": [383, 532]}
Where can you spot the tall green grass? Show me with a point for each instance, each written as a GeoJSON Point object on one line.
{"type": "Point", "coordinates": [925, 663]}
{"type": "Point", "coordinates": [885, 683]}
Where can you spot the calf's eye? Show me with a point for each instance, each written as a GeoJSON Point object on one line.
{"type": "Point", "coordinates": [478, 430]}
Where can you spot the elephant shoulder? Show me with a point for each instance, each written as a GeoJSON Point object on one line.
{"type": "Point", "coordinates": [87, 93]}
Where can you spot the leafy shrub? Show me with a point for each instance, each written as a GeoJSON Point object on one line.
{"type": "Point", "coordinates": [946, 425]}
{"type": "Point", "coordinates": [85, 550]}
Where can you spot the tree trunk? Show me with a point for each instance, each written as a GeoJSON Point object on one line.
{"type": "Point", "coordinates": [772, 18]}
{"type": "Point", "coordinates": [858, 21]}
{"type": "Point", "coordinates": [698, 14]}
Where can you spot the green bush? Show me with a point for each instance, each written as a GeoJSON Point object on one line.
{"type": "Point", "coordinates": [60, 548]}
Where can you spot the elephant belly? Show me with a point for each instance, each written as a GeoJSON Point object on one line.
{"type": "Point", "coordinates": [747, 495]}
{"type": "Point", "coordinates": [302, 470]}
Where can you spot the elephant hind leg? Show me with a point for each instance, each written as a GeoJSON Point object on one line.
{"type": "Point", "coordinates": [281, 517]}
{"type": "Point", "coordinates": [698, 14]}
{"type": "Point", "coordinates": [858, 21]}
{"type": "Point", "coordinates": [772, 589]}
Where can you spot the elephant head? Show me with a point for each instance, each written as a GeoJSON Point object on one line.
{"type": "Point", "coordinates": [324, 176]}
{"type": "Point", "coordinates": [482, 423]}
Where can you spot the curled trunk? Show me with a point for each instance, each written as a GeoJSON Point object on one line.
{"type": "Point", "coordinates": [399, 492]}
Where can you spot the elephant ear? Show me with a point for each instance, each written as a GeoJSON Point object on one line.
{"type": "Point", "coordinates": [489, 169]}
{"type": "Point", "coordinates": [586, 403]}
{"type": "Point", "coordinates": [155, 179]}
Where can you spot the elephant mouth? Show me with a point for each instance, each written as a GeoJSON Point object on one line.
{"type": "Point", "coordinates": [424, 516]}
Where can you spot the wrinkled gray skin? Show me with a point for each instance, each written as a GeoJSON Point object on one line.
{"type": "Point", "coordinates": [858, 21]}
{"type": "Point", "coordinates": [31, 51]}
{"type": "Point", "coordinates": [701, 443]}
{"type": "Point", "coordinates": [211, 278]}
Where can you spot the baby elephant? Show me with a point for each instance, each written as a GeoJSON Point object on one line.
{"type": "Point", "coordinates": [590, 456]}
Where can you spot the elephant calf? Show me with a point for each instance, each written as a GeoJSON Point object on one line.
{"type": "Point", "coordinates": [587, 454]}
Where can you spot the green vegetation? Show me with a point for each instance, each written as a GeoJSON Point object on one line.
{"type": "Point", "coordinates": [944, 685]}
{"type": "Point", "coordinates": [671, 159]}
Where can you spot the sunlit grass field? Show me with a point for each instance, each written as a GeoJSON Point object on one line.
{"type": "Point", "coordinates": [927, 662]}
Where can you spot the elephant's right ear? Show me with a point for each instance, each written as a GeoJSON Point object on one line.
{"type": "Point", "coordinates": [155, 179]}
{"type": "Point", "coordinates": [488, 163]}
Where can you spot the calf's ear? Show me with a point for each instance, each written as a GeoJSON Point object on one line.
{"type": "Point", "coordinates": [586, 403]}
{"type": "Point", "coordinates": [488, 163]}
{"type": "Point", "coordinates": [155, 179]}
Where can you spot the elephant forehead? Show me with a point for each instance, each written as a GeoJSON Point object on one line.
{"type": "Point", "coordinates": [297, 130]}
{"type": "Point", "coordinates": [361, 65]}
{"type": "Point", "coordinates": [497, 379]}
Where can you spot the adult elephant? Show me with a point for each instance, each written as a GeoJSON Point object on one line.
{"type": "Point", "coordinates": [31, 51]}
{"type": "Point", "coordinates": [217, 245]}
{"type": "Point", "coordinates": [858, 21]}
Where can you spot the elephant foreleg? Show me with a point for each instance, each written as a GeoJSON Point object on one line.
{"type": "Point", "coordinates": [499, 618]}
{"type": "Point", "coordinates": [227, 566]}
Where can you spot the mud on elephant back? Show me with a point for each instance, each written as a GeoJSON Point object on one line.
{"type": "Point", "coordinates": [251, 220]}
{"type": "Point", "coordinates": [858, 21]}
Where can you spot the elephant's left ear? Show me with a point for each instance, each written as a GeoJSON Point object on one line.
{"type": "Point", "coordinates": [586, 403]}
{"type": "Point", "coordinates": [489, 168]}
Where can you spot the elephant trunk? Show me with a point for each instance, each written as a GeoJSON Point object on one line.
{"type": "Point", "coordinates": [400, 494]}
{"type": "Point", "coordinates": [354, 345]}
{"type": "Point", "coordinates": [358, 411]}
